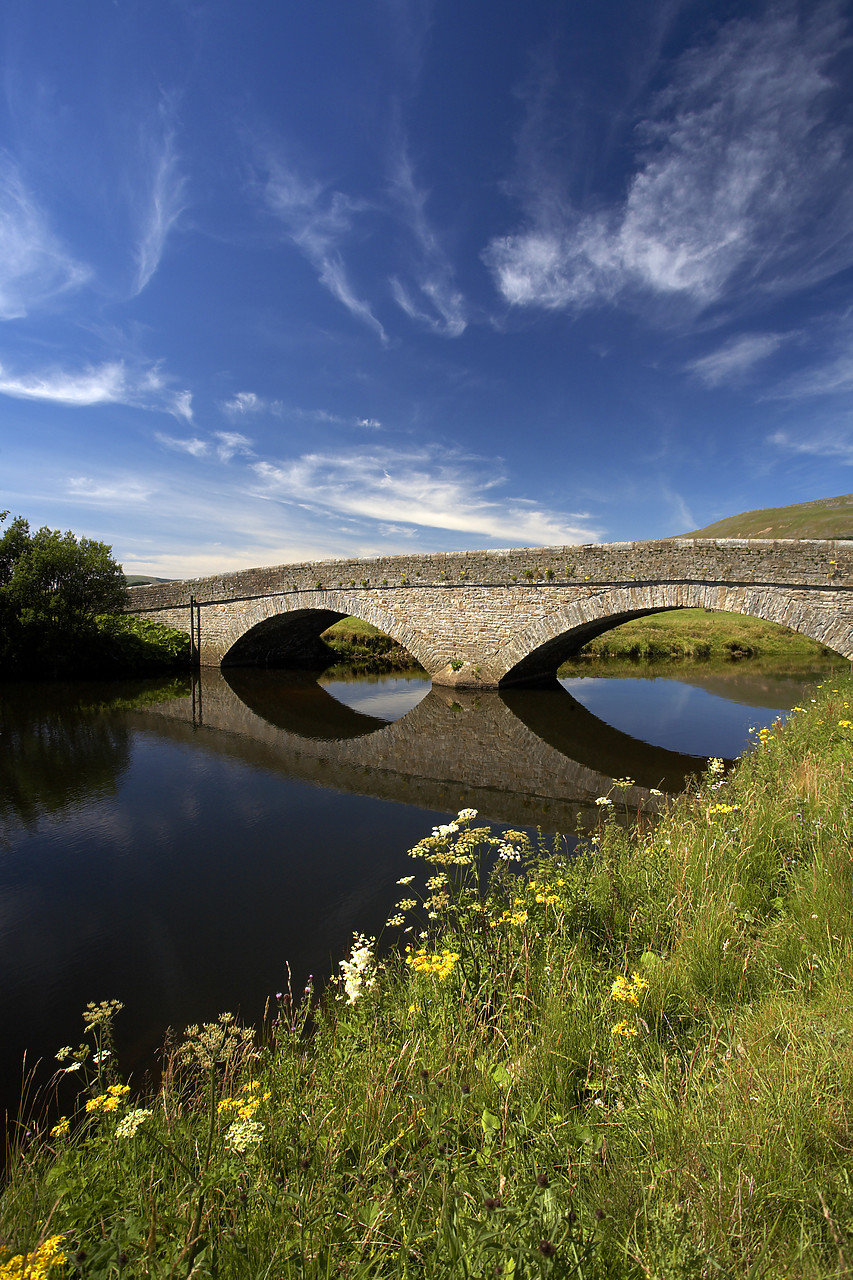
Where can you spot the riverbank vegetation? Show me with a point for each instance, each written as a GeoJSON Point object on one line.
{"type": "Point", "coordinates": [364, 650]}
{"type": "Point", "coordinates": [700, 635]}
{"type": "Point", "coordinates": [631, 1062]}
{"type": "Point", "coordinates": [61, 603]}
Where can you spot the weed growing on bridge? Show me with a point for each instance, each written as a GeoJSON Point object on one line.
{"type": "Point", "coordinates": [630, 1063]}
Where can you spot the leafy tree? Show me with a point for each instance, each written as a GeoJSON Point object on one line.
{"type": "Point", "coordinates": [53, 587]}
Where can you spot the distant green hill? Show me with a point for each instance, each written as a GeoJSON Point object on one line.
{"type": "Point", "coordinates": [823, 518]}
{"type": "Point", "coordinates": [140, 580]}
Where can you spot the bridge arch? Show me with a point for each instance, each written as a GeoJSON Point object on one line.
{"type": "Point", "coordinates": [286, 629]}
{"type": "Point", "coordinates": [539, 649]}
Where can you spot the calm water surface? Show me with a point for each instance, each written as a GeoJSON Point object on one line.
{"type": "Point", "coordinates": [177, 847]}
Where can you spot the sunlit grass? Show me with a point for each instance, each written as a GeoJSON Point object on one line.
{"type": "Point", "coordinates": [633, 1063]}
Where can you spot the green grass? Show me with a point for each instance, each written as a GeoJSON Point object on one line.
{"type": "Point", "coordinates": [634, 1063]}
{"type": "Point", "coordinates": [363, 649]}
{"type": "Point", "coordinates": [823, 518]}
{"type": "Point", "coordinates": [702, 635]}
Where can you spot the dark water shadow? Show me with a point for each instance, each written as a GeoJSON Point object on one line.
{"type": "Point", "coordinates": [295, 702]}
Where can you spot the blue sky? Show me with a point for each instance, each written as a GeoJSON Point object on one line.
{"type": "Point", "coordinates": [288, 280]}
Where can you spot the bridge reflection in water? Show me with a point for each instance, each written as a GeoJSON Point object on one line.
{"type": "Point", "coordinates": [523, 757]}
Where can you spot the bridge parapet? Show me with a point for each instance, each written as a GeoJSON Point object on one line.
{"type": "Point", "coordinates": [480, 618]}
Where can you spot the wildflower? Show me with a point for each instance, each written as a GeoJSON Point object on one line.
{"type": "Point", "coordinates": [128, 1125]}
{"type": "Point", "coordinates": [623, 1030]}
{"type": "Point", "coordinates": [518, 917]}
{"type": "Point", "coordinates": [405, 880]}
{"type": "Point", "coordinates": [508, 853]}
{"type": "Point", "coordinates": [243, 1134]}
{"type": "Point", "coordinates": [60, 1130]}
{"type": "Point", "coordinates": [716, 765]}
{"type": "Point", "coordinates": [36, 1265]}
{"type": "Point", "coordinates": [723, 808]}
{"type": "Point", "coordinates": [466, 815]}
{"type": "Point", "coordinates": [845, 724]}
{"type": "Point", "coordinates": [604, 802]}
{"type": "Point", "coordinates": [394, 922]}
{"type": "Point", "coordinates": [108, 1102]}
{"type": "Point", "coordinates": [653, 791]}
{"type": "Point", "coordinates": [406, 904]}
{"type": "Point", "coordinates": [359, 972]}
{"type": "Point", "coordinates": [627, 991]}
{"type": "Point", "coordinates": [439, 963]}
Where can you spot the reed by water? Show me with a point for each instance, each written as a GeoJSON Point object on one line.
{"type": "Point", "coordinates": [632, 1063]}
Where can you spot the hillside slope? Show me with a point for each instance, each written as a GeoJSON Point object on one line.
{"type": "Point", "coordinates": [823, 518]}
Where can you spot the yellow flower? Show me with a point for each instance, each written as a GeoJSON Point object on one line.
{"type": "Point", "coordinates": [60, 1129]}
{"type": "Point", "coordinates": [109, 1101]}
{"type": "Point", "coordinates": [36, 1265]}
{"type": "Point", "coordinates": [622, 990]}
{"type": "Point", "coordinates": [624, 1030]}
{"type": "Point", "coordinates": [439, 963]}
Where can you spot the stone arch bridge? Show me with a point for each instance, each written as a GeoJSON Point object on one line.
{"type": "Point", "coordinates": [480, 619]}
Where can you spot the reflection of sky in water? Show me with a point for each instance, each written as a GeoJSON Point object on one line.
{"type": "Point", "coordinates": [388, 698]}
{"type": "Point", "coordinates": [669, 713]}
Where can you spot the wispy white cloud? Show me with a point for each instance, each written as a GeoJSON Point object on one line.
{"type": "Point", "coordinates": [735, 357]}
{"type": "Point", "coordinates": [832, 443]}
{"type": "Point", "coordinates": [109, 383]}
{"type": "Point", "coordinates": [194, 446]}
{"type": "Point", "coordinates": [744, 182]}
{"type": "Point", "coordinates": [418, 488]}
{"type": "Point", "coordinates": [244, 402]}
{"type": "Point", "coordinates": [106, 384]}
{"type": "Point", "coordinates": [231, 442]}
{"type": "Point", "coordinates": [832, 376]}
{"type": "Point", "coordinates": [162, 201]}
{"type": "Point", "coordinates": [182, 405]}
{"type": "Point", "coordinates": [318, 222]}
{"type": "Point", "coordinates": [110, 493]}
{"type": "Point", "coordinates": [224, 445]}
{"type": "Point", "coordinates": [35, 267]}
{"type": "Point", "coordinates": [439, 304]}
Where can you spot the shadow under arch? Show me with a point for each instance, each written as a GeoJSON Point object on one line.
{"type": "Point", "coordinates": [552, 714]}
{"type": "Point", "coordinates": [288, 639]}
{"type": "Point", "coordinates": [299, 705]}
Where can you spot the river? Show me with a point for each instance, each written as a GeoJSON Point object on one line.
{"type": "Point", "coordinates": [177, 845]}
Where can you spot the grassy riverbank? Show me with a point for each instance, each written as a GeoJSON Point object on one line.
{"type": "Point", "coordinates": [700, 635]}
{"type": "Point", "coordinates": [633, 1064]}
{"type": "Point", "coordinates": [363, 649]}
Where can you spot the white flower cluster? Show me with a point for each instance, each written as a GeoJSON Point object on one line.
{"type": "Point", "coordinates": [127, 1126]}
{"type": "Point", "coordinates": [509, 853]}
{"type": "Point", "coordinates": [243, 1134]}
{"type": "Point", "coordinates": [466, 815]}
{"type": "Point", "coordinates": [604, 802]}
{"type": "Point", "coordinates": [716, 765]}
{"type": "Point", "coordinates": [359, 972]}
